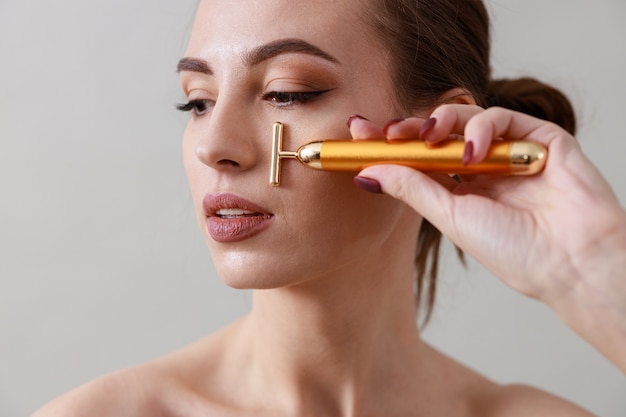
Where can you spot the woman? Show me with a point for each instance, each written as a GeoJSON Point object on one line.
{"type": "Point", "coordinates": [332, 329]}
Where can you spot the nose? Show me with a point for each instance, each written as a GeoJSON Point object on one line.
{"type": "Point", "coordinates": [229, 141]}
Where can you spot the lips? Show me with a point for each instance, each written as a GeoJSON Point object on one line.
{"type": "Point", "coordinates": [230, 218]}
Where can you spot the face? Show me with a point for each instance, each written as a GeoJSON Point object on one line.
{"type": "Point", "coordinates": [308, 64]}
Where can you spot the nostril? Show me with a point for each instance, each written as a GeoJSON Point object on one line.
{"type": "Point", "coordinates": [228, 162]}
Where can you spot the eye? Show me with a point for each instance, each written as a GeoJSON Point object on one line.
{"type": "Point", "coordinates": [196, 107]}
{"type": "Point", "coordinates": [288, 99]}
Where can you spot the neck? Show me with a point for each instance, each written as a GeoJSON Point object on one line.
{"type": "Point", "coordinates": [343, 337]}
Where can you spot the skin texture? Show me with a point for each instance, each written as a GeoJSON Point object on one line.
{"type": "Point", "coordinates": [338, 220]}
{"type": "Point", "coordinates": [332, 330]}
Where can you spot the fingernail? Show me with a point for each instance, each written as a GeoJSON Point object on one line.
{"type": "Point", "coordinates": [354, 116]}
{"type": "Point", "coordinates": [368, 184]}
{"type": "Point", "coordinates": [389, 124]}
{"type": "Point", "coordinates": [468, 152]}
{"type": "Point", "coordinates": [427, 126]}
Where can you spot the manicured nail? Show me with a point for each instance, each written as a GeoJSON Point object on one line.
{"type": "Point", "coordinates": [468, 152]}
{"type": "Point", "coordinates": [427, 126]}
{"type": "Point", "coordinates": [389, 124]}
{"type": "Point", "coordinates": [351, 119]}
{"type": "Point", "coordinates": [368, 184]}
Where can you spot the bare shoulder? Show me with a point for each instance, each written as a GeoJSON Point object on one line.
{"type": "Point", "coordinates": [519, 400]}
{"type": "Point", "coordinates": [129, 392]}
{"type": "Point", "coordinates": [161, 388]}
{"type": "Point", "coordinates": [482, 397]}
{"type": "Point", "coordinates": [156, 389]}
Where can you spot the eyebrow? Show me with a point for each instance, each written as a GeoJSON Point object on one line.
{"type": "Point", "coordinates": [285, 46]}
{"type": "Point", "coordinates": [194, 65]}
{"type": "Point", "coordinates": [260, 54]}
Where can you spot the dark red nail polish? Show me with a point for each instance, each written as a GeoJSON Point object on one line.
{"type": "Point", "coordinates": [368, 184]}
{"type": "Point", "coordinates": [468, 152]}
{"type": "Point", "coordinates": [427, 126]}
{"type": "Point", "coordinates": [351, 119]}
{"type": "Point", "coordinates": [389, 124]}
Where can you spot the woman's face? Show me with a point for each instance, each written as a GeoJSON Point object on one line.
{"type": "Point", "coordinates": [308, 64]}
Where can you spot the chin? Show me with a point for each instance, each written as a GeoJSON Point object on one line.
{"type": "Point", "coordinates": [247, 273]}
{"type": "Point", "coordinates": [248, 282]}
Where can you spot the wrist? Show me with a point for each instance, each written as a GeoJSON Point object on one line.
{"type": "Point", "coordinates": [594, 305]}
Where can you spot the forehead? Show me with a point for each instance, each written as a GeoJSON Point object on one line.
{"type": "Point", "coordinates": [226, 27]}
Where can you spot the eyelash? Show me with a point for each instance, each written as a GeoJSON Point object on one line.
{"type": "Point", "coordinates": [197, 107]}
{"type": "Point", "coordinates": [281, 99]}
{"type": "Point", "coordinates": [288, 99]}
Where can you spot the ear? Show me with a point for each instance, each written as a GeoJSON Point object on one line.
{"type": "Point", "coordinates": [457, 96]}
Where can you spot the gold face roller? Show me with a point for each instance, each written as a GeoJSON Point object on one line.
{"type": "Point", "coordinates": [503, 158]}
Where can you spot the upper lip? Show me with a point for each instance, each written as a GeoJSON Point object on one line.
{"type": "Point", "coordinates": [213, 203]}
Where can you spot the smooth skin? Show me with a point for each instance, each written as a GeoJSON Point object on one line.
{"type": "Point", "coordinates": [332, 330]}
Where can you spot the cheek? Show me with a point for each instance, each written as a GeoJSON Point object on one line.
{"type": "Point", "coordinates": [343, 218]}
{"type": "Point", "coordinates": [193, 170]}
{"type": "Point", "coordinates": [186, 151]}
{"type": "Point", "coordinates": [192, 165]}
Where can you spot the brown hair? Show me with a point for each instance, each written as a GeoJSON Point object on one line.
{"type": "Point", "coordinates": [438, 45]}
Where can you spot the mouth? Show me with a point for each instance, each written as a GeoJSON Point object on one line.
{"type": "Point", "coordinates": [234, 213]}
{"type": "Point", "coordinates": [230, 218]}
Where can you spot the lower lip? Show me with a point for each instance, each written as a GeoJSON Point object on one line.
{"type": "Point", "coordinates": [236, 229]}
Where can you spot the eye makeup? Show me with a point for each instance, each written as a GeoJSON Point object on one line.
{"type": "Point", "coordinates": [197, 107]}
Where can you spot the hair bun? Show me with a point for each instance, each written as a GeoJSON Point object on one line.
{"type": "Point", "coordinates": [530, 96]}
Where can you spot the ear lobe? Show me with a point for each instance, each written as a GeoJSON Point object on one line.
{"type": "Point", "coordinates": [457, 96]}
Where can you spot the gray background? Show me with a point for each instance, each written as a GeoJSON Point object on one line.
{"type": "Point", "coordinates": [101, 264]}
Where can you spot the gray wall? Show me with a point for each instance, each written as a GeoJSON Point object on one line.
{"type": "Point", "coordinates": [101, 265]}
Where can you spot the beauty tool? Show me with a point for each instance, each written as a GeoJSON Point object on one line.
{"type": "Point", "coordinates": [503, 158]}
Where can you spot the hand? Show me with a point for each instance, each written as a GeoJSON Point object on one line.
{"type": "Point", "coordinates": [559, 236]}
